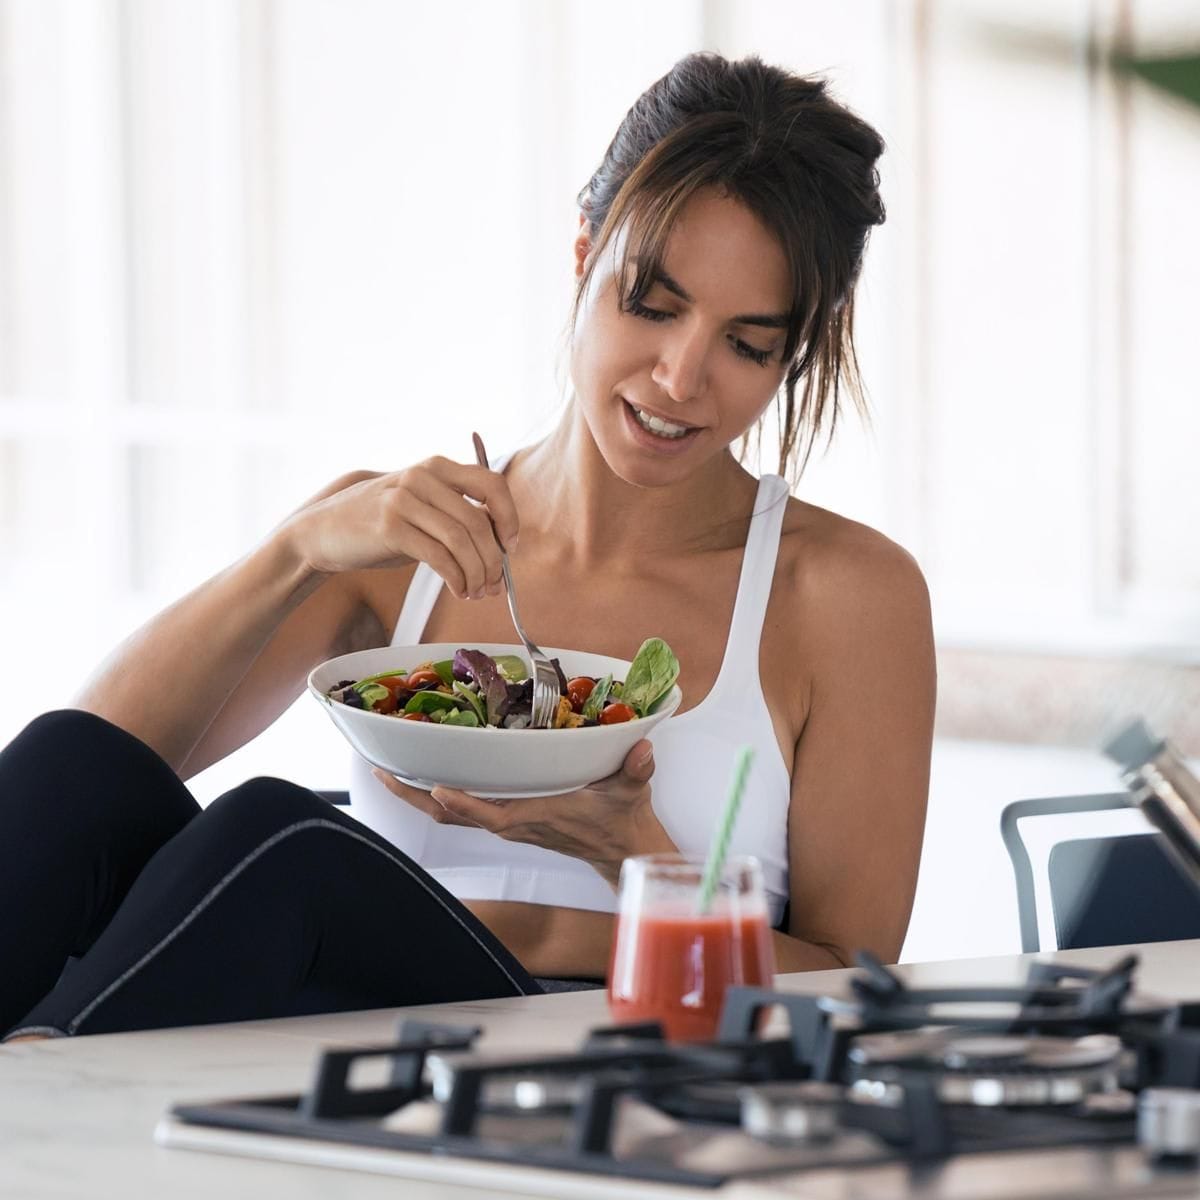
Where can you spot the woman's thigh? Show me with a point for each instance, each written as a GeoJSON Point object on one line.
{"type": "Point", "coordinates": [83, 807]}
{"type": "Point", "coordinates": [274, 903]}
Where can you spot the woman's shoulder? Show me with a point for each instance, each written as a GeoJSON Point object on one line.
{"type": "Point", "coordinates": [845, 569]}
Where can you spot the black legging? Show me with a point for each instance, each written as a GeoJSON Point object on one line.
{"type": "Point", "coordinates": [267, 903]}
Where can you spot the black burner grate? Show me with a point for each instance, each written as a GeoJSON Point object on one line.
{"type": "Point", "coordinates": [694, 1089]}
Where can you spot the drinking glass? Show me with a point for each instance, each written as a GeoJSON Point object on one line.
{"type": "Point", "coordinates": [671, 963]}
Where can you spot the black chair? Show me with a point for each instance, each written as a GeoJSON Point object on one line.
{"type": "Point", "coordinates": [1104, 891]}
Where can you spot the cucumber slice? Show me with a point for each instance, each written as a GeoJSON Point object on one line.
{"type": "Point", "coordinates": [372, 694]}
{"type": "Point", "coordinates": [512, 667]}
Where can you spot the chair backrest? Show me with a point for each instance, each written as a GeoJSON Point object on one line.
{"type": "Point", "coordinates": [1104, 891]}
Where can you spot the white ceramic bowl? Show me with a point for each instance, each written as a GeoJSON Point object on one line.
{"type": "Point", "coordinates": [492, 763]}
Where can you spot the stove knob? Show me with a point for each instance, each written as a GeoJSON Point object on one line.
{"type": "Point", "coordinates": [1169, 1122]}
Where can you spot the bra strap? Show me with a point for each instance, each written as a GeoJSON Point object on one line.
{"type": "Point", "coordinates": [739, 668]}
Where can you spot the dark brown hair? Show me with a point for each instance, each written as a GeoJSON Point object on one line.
{"type": "Point", "coordinates": [801, 162]}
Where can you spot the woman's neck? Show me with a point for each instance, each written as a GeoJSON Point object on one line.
{"type": "Point", "coordinates": [573, 504]}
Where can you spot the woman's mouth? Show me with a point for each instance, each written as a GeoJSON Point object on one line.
{"type": "Point", "coordinates": [657, 425]}
{"type": "Point", "coordinates": [657, 431]}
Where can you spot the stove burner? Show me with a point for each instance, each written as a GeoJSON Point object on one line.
{"type": "Point", "coordinates": [986, 1070]}
{"type": "Point", "coordinates": [974, 1053]}
{"type": "Point", "coordinates": [1054, 999]}
{"type": "Point", "coordinates": [1109, 1105]}
{"type": "Point", "coordinates": [796, 1113]}
{"type": "Point", "coordinates": [527, 1091]}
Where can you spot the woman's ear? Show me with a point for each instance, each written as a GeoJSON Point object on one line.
{"type": "Point", "coordinates": [583, 245]}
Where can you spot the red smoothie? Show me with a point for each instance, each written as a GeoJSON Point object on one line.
{"type": "Point", "coordinates": [674, 967]}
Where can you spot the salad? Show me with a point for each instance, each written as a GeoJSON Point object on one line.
{"type": "Point", "coordinates": [475, 690]}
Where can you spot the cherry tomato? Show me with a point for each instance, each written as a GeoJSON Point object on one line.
{"type": "Point", "coordinates": [420, 678]}
{"type": "Point", "coordinates": [578, 690]}
{"type": "Point", "coordinates": [393, 681]}
{"type": "Point", "coordinates": [414, 717]}
{"type": "Point", "coordinates": [388, 704]}
{"type": "Point", "coordinates": [614, 714]}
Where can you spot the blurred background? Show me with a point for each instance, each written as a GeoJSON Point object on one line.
{"type": "Point", "coordinates": [247, 245]}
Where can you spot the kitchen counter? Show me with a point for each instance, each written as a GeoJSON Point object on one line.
{"type": "Point", "coordinates": [77, 1116]}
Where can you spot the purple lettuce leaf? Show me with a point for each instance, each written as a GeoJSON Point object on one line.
{"type": "Point", "coordinates": [492, 685]}
{"type": "Point", "coordinates": [562, 679]}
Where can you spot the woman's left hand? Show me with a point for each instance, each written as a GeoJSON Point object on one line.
{"type": "Point", "coordinates": [602, 824]}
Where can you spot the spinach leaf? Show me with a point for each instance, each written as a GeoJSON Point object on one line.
{"type": "Point", "coordinates": [399, 674]}
{"type": "Point", "coordinates": [593, 705]}
{"type": "Point", "coordinates": [652, 675]}
{"type": "Point", "coordinates": [427, 702]}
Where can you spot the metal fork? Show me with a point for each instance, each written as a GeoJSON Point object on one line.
{"type": "Point", "coordinates": [545, 677]}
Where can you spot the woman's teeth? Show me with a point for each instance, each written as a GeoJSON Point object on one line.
{"type": "Point", "coordinates": [658, 425]}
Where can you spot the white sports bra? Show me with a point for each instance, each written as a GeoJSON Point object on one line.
{"type": "Point", "coordinates": [693, 755]}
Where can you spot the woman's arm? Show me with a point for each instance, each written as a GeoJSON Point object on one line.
{"type": "Point", "coordinates": [860, 780]}
{"type": "Point", "coordinates": [250, 633]}
{"type": "Point", "coordinates": [217, 667]}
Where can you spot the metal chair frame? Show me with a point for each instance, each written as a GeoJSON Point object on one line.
{"type": "Point", "coordinates": [1049, 806]}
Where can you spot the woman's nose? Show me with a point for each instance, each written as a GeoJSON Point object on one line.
{"type": "Point", "coordinates": [682, 366]}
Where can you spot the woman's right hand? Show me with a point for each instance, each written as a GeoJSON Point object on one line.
{"type": "Point", "coordinates": [423, 512]}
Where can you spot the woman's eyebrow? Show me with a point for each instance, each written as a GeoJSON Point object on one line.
{"type": "Point", "coordinates": [767, 320]}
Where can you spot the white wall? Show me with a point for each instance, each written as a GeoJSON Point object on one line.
{"type": "Point", "coordinates": [246, 245]}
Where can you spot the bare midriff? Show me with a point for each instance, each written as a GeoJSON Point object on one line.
{"type": "Point", "coordinates": [550, 942]}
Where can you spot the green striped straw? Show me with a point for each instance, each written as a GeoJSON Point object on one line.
{"type": "Point", "coordinates": [719, 850]}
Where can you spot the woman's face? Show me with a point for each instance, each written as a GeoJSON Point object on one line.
{"type": "Point", "coordinates": [670, 384]}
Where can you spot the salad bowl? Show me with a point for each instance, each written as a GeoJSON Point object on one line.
{"type": "Point", "coordinates": [489, 762]}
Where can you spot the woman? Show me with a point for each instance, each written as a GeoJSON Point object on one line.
{"type": "Point", "coordinates": [716, 258]}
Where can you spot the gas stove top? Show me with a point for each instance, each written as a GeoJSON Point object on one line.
{"type": "Point", "coordinates": [1073, 1062]}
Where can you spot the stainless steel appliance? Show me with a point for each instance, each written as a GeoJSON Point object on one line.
{"type": "Point", "coordinates": [1164, 787]}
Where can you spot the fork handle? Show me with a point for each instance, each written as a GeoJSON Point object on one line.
{"type": "Point", "coordinates": [482, 459]}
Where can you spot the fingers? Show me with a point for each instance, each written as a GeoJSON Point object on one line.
{"type": "Point", "coordinates": [639, 762]}
{"type": "Point", "coordinates": [429, 549]}
{"type": "Point", "coordinates": [422, 800]}
{"type": "Point", "coordinates": [443, 512]}
{"type": "Point", "coordinates": [488, 487]}
{"type": "Point", "coordinates": [485, 814]}
{"type": "Point", "coordinates": [475, 540]}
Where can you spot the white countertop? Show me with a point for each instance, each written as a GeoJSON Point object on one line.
{"type": "Point", "coordinates": [77, 1115]}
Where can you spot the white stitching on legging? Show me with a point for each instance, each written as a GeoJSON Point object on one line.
{"type": "Point", "coordinates": [49, 1031]}
{"type": "Point", "coordinates": [312, 822]}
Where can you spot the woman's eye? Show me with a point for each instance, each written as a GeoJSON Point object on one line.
{"type": "Point", "coordinates": [762, 357]}
{"type": "Point", "coordinates": [742, 349]}
{"type": "Point", "coordinates": [650, 314]}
